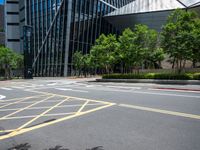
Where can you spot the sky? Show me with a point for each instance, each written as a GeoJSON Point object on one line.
{"type": "Point", "coordinates": [188, 2]}
{"type": "Point", "coordinates": [1, 1]}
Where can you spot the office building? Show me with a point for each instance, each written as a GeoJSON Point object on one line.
{"type": "Point", "coordinates": [2, 31]}
{"type": "Point", "coordinates": [61, 27]}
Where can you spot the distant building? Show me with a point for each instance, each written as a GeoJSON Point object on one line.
{"type": "Point", "coordinates": [61, 27]}
{"type": "Point", "coordinates": [12, 28]}
{"type": "Point", "coordinates": [2, 23]}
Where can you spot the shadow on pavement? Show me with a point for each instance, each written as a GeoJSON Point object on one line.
{"type": "Point", "coordinates": [27, 146]}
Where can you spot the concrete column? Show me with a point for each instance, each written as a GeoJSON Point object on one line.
{"type": "Point", "coordinates": [69, 11]}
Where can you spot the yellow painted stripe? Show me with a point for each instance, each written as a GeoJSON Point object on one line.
{"type": "Point", "coordinates": [162, 111]}
{"type": "Point", "coordinates": [21, 131]}
{"type": "Point", "coordinates": [46, 107]}
{"type": "Point", "coordinates": [26, 107]}
{"type": "Point", "coordinates": [14, 99]}
{"type": "Point", "coordinates": [4, 131]}
{"type": "Point", "coordinates": [29, 122]}
{"type": "Point", "coordinates": [30, 102]}
{"type": "Point", "coordinates": [82, 107]}
{"type": "Point", "coordinates": [33, 116]}
{"type": "Point", "coordinates": [83, 99]}
{"type": "Point", "coordinates": [22, 99]}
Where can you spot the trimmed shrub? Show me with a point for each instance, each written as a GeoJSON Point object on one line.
{"type": "Point", "coordinates": [196, 76]}
{"type": "Point", "coordinates": [172, 76]}
{"type": "Point", "coordinates": [163, 76]}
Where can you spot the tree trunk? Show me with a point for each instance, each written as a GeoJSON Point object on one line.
{"type": "Point", "coordinates": [121, 67]}
{"type": "Point", "coordinates": [173, 63]}
{"type": "Point", "coordinates": [194, 63]}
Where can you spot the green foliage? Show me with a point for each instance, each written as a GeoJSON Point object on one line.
{"type": "Point", "coordinates": [103, 53]}
{"type": "Point", "coordinates": [82, 63]}
{"type": "Point", "coordinates": [148, 51]}
{"type": "Point", "coordinates": [126, 41]}
{"type": "Point", "coordinates": [196, 42]}
{"type": "Point", "coordinates": [78, 61]}
{"type": "Point", "coordinates": [9, 60]}
{"type": "Point", "coordinates": [140, 47]}
{"type": "Point", "coordinates": [145, 48]}
{"type": "Point", "coordinates": [195, 76]}
{"type": "Point", "coordinates": [179, 35]}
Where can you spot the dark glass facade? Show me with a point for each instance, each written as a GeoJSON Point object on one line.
{"type": "Point", "coordinates": [61, 27]}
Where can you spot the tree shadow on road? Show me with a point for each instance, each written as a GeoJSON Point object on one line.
{"type": "Point", "coordinates": [27, 146]}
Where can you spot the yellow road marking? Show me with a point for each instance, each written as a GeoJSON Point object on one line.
{"type": "Point", "coordinates": [4, 131]}
{"type": "Point", "coordinates": [14, 99]}
{"type": "Point", "coordinates": [83, 99]}
{"type": "Point", "coordinates": [17, 132]}
{"type": "Point", "coordinates": [29, 122]}
{"type": "Point", "coordinates": [82, 106]}
{"type": "Point", "coordinates": [162, 111]}
{"type": "Point", "coordinates": [45, 107]}
{"type": "Point", "coordinates": [15, 102]}
{"type": "Point", "coordinates": [46, 115]}
{"type": "Point", "coordinates": [30, 102]}
{"type": "Point", "coordinates": [26, 107]}
{"type": "Point", "coordinates": [23, 128]}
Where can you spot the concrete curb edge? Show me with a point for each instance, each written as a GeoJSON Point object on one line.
{"type": "Point", "coordinates": [158, 81]}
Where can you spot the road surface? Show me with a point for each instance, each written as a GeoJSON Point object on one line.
{"type": "Point", "coordinates": [78, 114]}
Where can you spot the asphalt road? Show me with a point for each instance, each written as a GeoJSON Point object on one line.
{"type": "Point", "coordinates": [78, 114]}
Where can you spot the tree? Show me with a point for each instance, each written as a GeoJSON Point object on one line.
{"type": "Point", "coordinates": [142, 43]}
{"type": "Point", "coordinates": [196, 43]}
{"type": "Point", "coordinates": [140, 48]}
{"type": "Point", "coordinates": [178, 37]}
{"type": "Point", "coordinates": [9, 60]}
{"type": "Point", "coordinates": [104, 51]}
{"type": "Point", "coordinates": [124, 57]}
{"type": "Point", "coordinates": [156, 57]}
{"type": "Point", "coordinates": [88, 65]}
{"type": "Point", "coordinates": [78, 62]}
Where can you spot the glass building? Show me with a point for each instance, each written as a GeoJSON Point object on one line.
{"type": "Point", "coordinates": [61, 27]}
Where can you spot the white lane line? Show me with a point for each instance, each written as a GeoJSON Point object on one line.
{"type": "Point", "coordinates": [149, 93]}
{"type": "Point", "coordinates": [125, 87]}
{"type": "Point", "coordinates": [89, 86]}
{"type": "Point", "coordinates": [8, 89]}
{"type": "Point", "coordinates": [99, 85]}
{"type": "Point", "coordinates": [166, 94]}
{"type": "Point", "coordinates": [162, 111]}
{"type": "Point", "coordinates": [175, 90]}
{"type": "Point", "coordinates": [64, 89]}
{"type": "Point", "coordinates": [2, 97]}
{"type": "Point", "coordinates": [18, 87]}
{"type": "Point", "coordinates": [52, 84]}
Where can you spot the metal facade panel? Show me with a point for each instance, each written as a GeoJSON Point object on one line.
{"type": "Point", "coordinates": [58, 34]}
{"type": "Point", "coordinates": [141, 6]}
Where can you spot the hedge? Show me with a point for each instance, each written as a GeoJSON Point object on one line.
{"type": "Point", "coordinates": [186, 76]}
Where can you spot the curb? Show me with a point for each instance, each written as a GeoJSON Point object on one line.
{"type": "Point", "coordinates": [156, 81]}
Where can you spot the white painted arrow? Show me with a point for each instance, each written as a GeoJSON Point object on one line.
{"type": "Point", "coordinates": [2, 97]}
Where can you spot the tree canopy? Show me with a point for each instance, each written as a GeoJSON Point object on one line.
{"type": "Point", "coordinates": [180, 36]}
{"type": "Point", "coordinates": [9, 60]}
{"type": "Point", "coordinates": [145, 48]}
